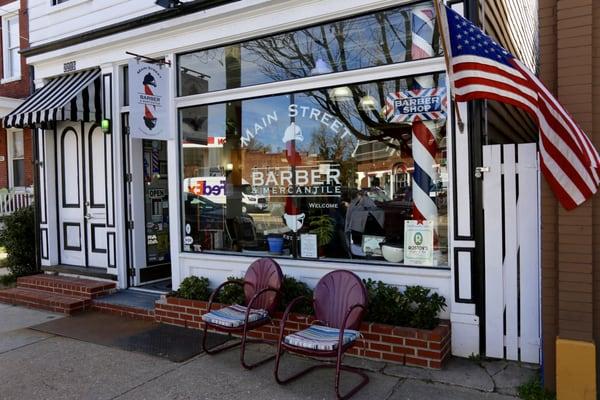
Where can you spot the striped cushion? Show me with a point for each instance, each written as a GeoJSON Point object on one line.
{"type": "Point", "coordinates": [233, 316]}
{"type": "Point", "coordinates": [320, 338]}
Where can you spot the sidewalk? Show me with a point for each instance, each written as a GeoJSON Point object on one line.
{"type": "Point", "coordinates": [40, 365]}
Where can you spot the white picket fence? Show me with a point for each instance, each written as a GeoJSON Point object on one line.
{"type": "Point", "coordinates": [512, 258]}
{"type": "Point", "coordinates": [13, 200]}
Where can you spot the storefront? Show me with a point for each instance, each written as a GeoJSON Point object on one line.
{"type": "Point", "coordinates": [321, 136]}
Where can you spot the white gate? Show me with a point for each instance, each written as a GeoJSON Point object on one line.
{"type": "Point", "coordinates": [512, 252]}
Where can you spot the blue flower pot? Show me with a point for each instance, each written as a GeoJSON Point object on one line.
{"type": "Point", "coordinates": [275, 244]}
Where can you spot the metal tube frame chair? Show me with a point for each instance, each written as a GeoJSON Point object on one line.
{"type": "Point", "coordinates": [340, 301]}
{"type": "Point", "coordinates": [261, 285]}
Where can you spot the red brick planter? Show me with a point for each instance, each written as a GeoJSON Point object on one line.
{"type": "Point", "coordinates": [408, 346]}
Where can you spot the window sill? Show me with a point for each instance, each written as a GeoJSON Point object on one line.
{"type": "Point", "coordinates": [10, 79]}
{"type": "Point", "coordinates": [61, 7]}
{"type": "Point", "coordinates": [364, 265]}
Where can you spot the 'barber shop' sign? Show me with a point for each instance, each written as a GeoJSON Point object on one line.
{"type": "Point", "coordinates": [149, 101]}
{"type": "Point", "coordinates": [408, 105]}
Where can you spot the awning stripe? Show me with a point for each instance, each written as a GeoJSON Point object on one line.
{"type": "Point", "coordinates": [75, 96]}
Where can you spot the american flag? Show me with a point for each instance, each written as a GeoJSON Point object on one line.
{"type": "Point", "coordinates": [482, 69]}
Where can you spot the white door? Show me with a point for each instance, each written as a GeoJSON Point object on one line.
{"type": "Point", "coordinates": [95, 187]}
{"type": "Point", "coordinates": [512, 244]}
{"type": "Point", "coordinates": [81, 176]}
{"type": "Point", "coordinates": [70, 195]}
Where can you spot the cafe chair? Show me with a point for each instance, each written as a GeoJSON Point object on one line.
{"type": "Point", "coordinates": [261, 284]}
{"type": "Point", "coordinates": [339, 301]}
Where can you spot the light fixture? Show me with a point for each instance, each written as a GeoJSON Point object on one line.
{"type": "Point", "coordinates": [341, 93]}
{"type": "Point", "coordinates": [105, 125]}
{"type": "Point", "coordinates": [368, 103]}
{"type": "Point", "coordinates": [229, 167]}
{"type": "Point", "coordinates": [168, 3]}
{"type": "Point", "coordinates": [321, 67]}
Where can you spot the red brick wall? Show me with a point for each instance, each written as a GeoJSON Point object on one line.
{"type": "Point", "coordinates": [17, 89]}
{"type": "Point", "coordinates": [408, 346]}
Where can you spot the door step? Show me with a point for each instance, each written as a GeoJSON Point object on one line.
{"type": "Point", "coordinates": [68, 286]}
{"type": "Point", "coordinates": [79, 272]}
{"type": "Point", "coordinates": [45, 300]}
{"type": "Point", "coordinates": [128, 303]}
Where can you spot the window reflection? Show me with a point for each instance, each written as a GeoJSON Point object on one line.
{"type": "Point", "coordinates": [381, 38]}
{"type": "Point", "coordinates": [349, 164]}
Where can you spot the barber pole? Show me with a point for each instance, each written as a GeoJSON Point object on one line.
{"type": "Point", "coordinates": [424, 133]}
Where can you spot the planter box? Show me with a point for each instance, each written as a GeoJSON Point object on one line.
{"type": "Point", "coordinates": [407, 346]}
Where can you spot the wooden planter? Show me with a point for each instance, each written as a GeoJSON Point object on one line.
{"type": "Point", "coordinates": [407, 346]}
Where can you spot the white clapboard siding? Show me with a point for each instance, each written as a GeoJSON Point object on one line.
{"type": "Point", "coordinates": [512, 268]}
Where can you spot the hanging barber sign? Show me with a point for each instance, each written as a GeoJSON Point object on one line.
{"type": "Point", "coordinates": [149, 101]}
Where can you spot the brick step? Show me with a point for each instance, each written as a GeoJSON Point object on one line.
{"type": "Point", "coordinates": [44, 300]}
{"type": "Point", "coordinates": [68, 286]}
{"type": "Point", "coordinates": [123, 310]}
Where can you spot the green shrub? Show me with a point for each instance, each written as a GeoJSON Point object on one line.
{"type": "Point", "coordinates": [534, 390]}
{"type": "Point", "coordinates": [194, 288]}
{"type": "Point", "coordinates": [292, 288]}
{"type": "Point", "coordinates": [424, 307]}
{"type": "Point", "coordinates": [232, 294]}
{"type": "Point", "coordinates": [17, 238]}
{"type": "Point", "coordinates": [417, 307]}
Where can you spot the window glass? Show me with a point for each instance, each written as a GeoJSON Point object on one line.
{"type": "Point", "coordinates": [17, 145]}
{"type": "Point", "coordinates": [12, 61]}
{"type": "Point", "coordinates": [19, 172]}
{"type": "Point", "coordinates": [331, 173]}
{"type": "Point", "coordinates": [385, 37]}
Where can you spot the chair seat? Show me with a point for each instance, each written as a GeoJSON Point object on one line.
{"type": "Point", "coordinates": [233, 316]}
{"type": "Point", "coordinates": [319, 337]}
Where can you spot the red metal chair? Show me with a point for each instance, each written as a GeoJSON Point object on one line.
{"type": "Point", "coordinates": [261, 285]}
{"type": "Point", "coordinates": [340, 301]}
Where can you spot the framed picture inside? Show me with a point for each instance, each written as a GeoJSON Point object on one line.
{"type": "Point", "coordinates": [371, 245]}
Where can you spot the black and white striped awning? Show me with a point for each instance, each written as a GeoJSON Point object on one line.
{"type": "Point", "coordinates": [71, 97]}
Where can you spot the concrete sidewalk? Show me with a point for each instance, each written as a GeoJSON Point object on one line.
{"type": "Point", "coordinates": [39, 365]}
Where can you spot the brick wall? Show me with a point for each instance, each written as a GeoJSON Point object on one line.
{"type": "Point", "coordinates": [408, 346]}
{"type": "Point", "coordinates": [18, 89]}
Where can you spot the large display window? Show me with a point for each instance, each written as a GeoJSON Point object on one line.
{"type": "Point", "coordinates": [356, 173]}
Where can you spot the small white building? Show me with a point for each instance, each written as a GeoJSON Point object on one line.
{"type": "Point", "coordinates": [287, 121]}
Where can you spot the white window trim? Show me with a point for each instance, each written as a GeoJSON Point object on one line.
{"type": "Point", "coordinates": [53, 8]}
{"type": "Point", "coordinates": [390, 71]}
{"type": "Point", "coordinates": [10, 8]}
{"type": "Point", "coordinates": [9, 156]}
{"type": "Point", "coordinates": [5, 49]}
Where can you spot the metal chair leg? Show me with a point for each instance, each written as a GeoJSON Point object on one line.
{"type": "Point", "coordinates": [244, 341]}
{"type": "Point", "coordinates": [338, 369]}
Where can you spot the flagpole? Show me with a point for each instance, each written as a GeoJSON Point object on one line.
{"type": "Point", "coordinates": [461, 124]}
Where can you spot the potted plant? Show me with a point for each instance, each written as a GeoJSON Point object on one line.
{"type": "Point", "coordinates": [324, 227]}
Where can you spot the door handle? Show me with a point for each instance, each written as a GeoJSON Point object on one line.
{"type": "Point", "coordinates": [88, 216]}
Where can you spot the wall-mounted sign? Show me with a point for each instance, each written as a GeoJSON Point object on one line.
{"type": "Point", "coordinates": [149, 101]}
{"type": "Point", "coordinates": [408, 105]}
{"type": "Point", "coordinates": [69, 66]}
{"type": "Point", "coordinates": [418, 243]}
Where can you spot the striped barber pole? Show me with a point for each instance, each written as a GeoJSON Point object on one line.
{"type": "Point", "coordinates": [425, 132]}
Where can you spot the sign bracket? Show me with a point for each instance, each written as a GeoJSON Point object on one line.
{"type": "Point", "coordinates": [149, 59]}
